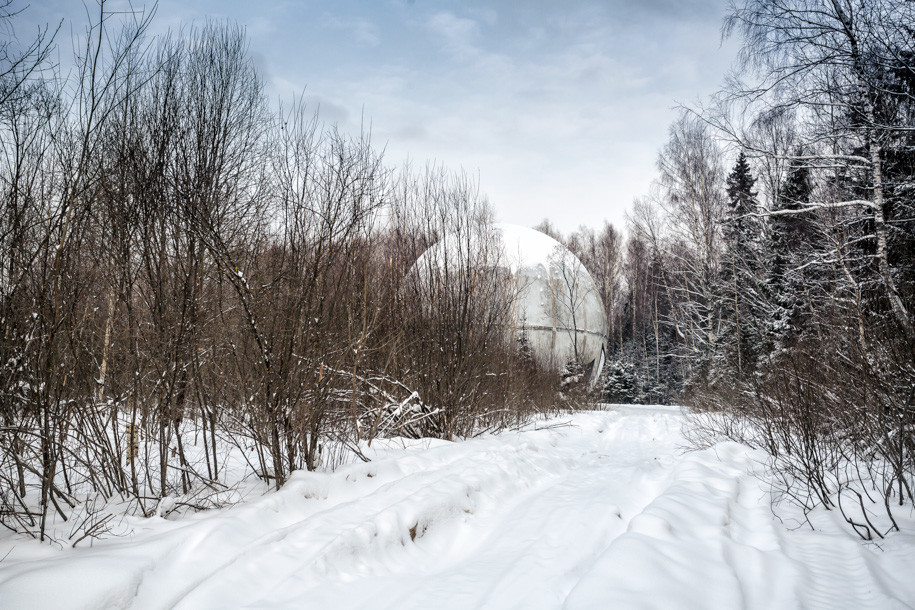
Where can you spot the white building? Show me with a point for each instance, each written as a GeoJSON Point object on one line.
{"type": "Point", "coordinates": [558, 309]}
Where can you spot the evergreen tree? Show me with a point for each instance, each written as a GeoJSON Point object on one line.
{"type": "Point", "coordinates": [740, 288]}
{"type": "Point", "coordinates": [525, 351]}
{"type": "Point", "coordinates": [621, 383]}
{"type": "Point", "coordinates": [790, 241]}
{"type": "Point", "coordinates": [899, 168]}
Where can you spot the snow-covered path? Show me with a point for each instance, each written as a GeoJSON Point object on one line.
{"type": "Point", "coordinates": [594, 510]}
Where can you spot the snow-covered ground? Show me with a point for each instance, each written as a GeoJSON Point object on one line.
{"type": "Point", "coordinates": [596, 510]}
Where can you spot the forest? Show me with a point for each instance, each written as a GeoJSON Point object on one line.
{"type": "Point", "coordinates": [181, 260]}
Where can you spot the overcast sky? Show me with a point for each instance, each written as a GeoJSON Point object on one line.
{"type": "Point", "coordinates": [559, 107]}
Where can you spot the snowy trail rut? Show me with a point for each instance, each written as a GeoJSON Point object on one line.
{"type": "Point", "coordinates": [595, 510]}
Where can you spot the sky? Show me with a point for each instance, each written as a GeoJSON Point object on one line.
{"type": "Point", "coordinates": [559, 109]}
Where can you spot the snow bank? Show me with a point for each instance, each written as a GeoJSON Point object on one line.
{"type": "Point", "coordinates": [600, 509]}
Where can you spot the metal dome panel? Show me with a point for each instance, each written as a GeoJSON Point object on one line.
{"type": "Point", "coordinates": [558, 308]}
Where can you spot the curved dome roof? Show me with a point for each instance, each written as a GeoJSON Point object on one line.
{"type": "Point", "coordinates": [558, 309]}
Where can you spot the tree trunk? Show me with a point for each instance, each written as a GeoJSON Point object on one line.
{"type": "Point", "coordinates": [899, 310]}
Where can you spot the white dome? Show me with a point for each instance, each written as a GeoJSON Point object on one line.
{"type": "Point", "coordinates": [558, 307]}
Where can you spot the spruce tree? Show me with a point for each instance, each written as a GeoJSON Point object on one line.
{"type": "Point", "coordinates": [621, 383]}
{"type": "Point", "coordinates": [740, 288]}
{"type": "Point", "coordinates": [790, 241]}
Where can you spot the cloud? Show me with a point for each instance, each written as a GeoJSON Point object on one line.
{"type": "Point", "coordinates": [366, 32]}
{"type": "Point", "coordinates": [327, 110]}
{"type": "Point", "coordinates": [487, 15]}
{"type": "Point", "coordinates": [360, 29]}
{"type": "Point", "coordinates": [412, 133]}
{"type": "Point", "coordinates": [561, 107]}
{"type": "Point", "coordinates": [457, 35]}
{"type": "Point", "coordinates": [674, 10]}
{"type": "Point", "coordinates": [260, 26]}
{"type": "Point", "coordinates": [261, 65]}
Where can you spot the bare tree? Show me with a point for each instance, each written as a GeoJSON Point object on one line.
{"type": "Point", "coordinates": [179, 264]}
{"type": "Point", "coordinates": [692, 181]}
{"type": "Point", "coordinates": [21, 63]}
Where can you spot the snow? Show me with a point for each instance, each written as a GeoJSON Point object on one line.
{"type": "Point", "coordinates": [591, 510]}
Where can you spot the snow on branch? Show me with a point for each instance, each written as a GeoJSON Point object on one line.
{"type": "Point", "coordinates": [812, 207]}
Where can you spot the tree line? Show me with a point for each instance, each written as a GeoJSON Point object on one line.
{"type": "Point", "coordinates": [768, 280]}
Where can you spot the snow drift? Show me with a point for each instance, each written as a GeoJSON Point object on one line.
{"type": "Point", "coordinates": [598, 509]}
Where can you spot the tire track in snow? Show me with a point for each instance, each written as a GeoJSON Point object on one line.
{"type": "Point", "coordinates": [603, 513]}
{"type": "Point", "coordinates": [366, 534]}
{"type": "Point", "coordinates": [311, 502]}
{"type": "Point", "coordinates": [471, 513]}
{"type": "Point", "coordinates": [834, 579]}
{"type": "Point", "coordinates": [530, 548]}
